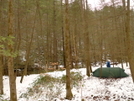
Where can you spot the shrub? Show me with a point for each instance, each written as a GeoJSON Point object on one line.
{"type": "Point", "coordinates": [75, 78]}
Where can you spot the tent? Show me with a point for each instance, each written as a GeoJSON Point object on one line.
{"type": "Point", "coordinates": [110, 72]}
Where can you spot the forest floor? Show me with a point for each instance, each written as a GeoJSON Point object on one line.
{"type": "Point", "coordinates": [85, 89]}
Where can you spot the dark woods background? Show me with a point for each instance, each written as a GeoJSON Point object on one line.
{"type": "Point", "coordinates": [38, 28]}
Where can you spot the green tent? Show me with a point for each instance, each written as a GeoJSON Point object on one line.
{"type": "Point", "coordinates": [110, 72]}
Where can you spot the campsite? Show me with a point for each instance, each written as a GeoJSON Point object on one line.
{"type": "Point", "coordinates": [88, 88]}
{"type": "Point", "coordinates": [66, 50]}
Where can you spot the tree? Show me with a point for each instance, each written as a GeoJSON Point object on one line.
{"type": "Point", "coordinates": [13, 95]}
{"type": "Point", "coordinates": [67, 50]}
{"type": "Point", "coordinates": [1, 75]}
{"type": "Point", "coordinates": [1, 63]}
{"type": "Point", "coordinates": [129, 38]}
{"type": "Point", "coordinates": [29, 47]}
{"type": "Point", "coordinates": [87, 41]}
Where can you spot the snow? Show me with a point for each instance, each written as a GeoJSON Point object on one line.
{"type": "Point", "coordinates": [98, 4]}
{"type": "Point", "coordinates": [90, 88]}
{"type": "Point", "coordinates": [21, 87]}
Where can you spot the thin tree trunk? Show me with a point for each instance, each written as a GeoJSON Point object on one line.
{"type": "Point", "coordinates": [18, 29]}
{"type": "Point", "coordinates": [62, 30]}
{"type": "Point", "coordinates": [128, 36]}
{"type": "Point", "coordinates": [55, 55]}
{"type": "Point", "coordinates": [29, 48]}
{"type": "Point", "coordinates": [1, 75]}
{"type": "Point", "coordinates": [89, 68]}
{"type": "Point", "coordinates": [18, 35]}
{"type": "Point", "coordinates": [48, 40]}
{"type": "Point", "coordinates": [1, 62]}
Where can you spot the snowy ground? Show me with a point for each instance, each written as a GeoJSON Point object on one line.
{"type": "Point", "coordinates": [90, 88]}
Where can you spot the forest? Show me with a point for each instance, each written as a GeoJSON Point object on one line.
{"type": "Point", "coordinates": [56, 31]}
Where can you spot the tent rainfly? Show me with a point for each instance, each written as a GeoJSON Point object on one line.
{"type": "Point", "coordinates": [110, 73]}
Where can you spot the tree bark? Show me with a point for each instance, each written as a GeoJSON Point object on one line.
{"type": "Point", "coordinates": [12, 82]}
{"type": "Point", "coordinates": [69, 94]}
{"type": "Point", "coordinates": [1, 75]}
{"type": "Point", "coordinates": [87, 42]}
{"type": "Point", "coordinates": [1, 57]}
{"type": "Point", "coordinates": [129, 42]}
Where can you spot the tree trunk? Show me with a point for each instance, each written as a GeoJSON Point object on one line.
{"type": "Point", "coordinates": [129, 42]}
{"type": "Point", "coordinates": [18, 34]}
{"type": "Point", "coordinates": [69, 94]}
{"type": "Point", "coordinates": [1, 62]}
{"type": "Point", "coordinates": [13, 94]}
{"type": "Point", "coordinates": [1, 75]}
{"type": "Point", "coordinates": [87, 42]}
{"type": "Point", "coordinates": [55, 55]}
{"type": "Point", "coordinates": [29, 48]}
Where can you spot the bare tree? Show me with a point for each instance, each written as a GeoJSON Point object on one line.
{"type": "Point", "coordinates": [67, 50]}
{"type": "Point", "coordinates": [87, 39]}
{"type": "Point", "coordinates": [12, 78]}
{"type": "Point", "coordinates": [129, 42]}
{"type": "Point", "coordinates": [1, 63]}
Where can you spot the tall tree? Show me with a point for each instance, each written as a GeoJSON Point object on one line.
{"type": "Point", "coordinates": [1, 63]}
{"type": "Point", "coordinates": [18, 34]}
{"type": "Point", "coordinates": [87, 39]}
{"type": "Point", "coordinates": [129, 42]}
{"type": "Point", "coordinates": [12, 79]}
{"type": "Point", "coordinates": [67, 50]}
{"type": "Point", "coordinates": [29, 47]}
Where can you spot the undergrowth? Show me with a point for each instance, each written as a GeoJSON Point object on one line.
{"type": "Point", "coordinates": [2, 99]}
{"type": "Point", "coordinates": [50, 87]}
{"type": "Point", "coordinates": [75, 78]}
